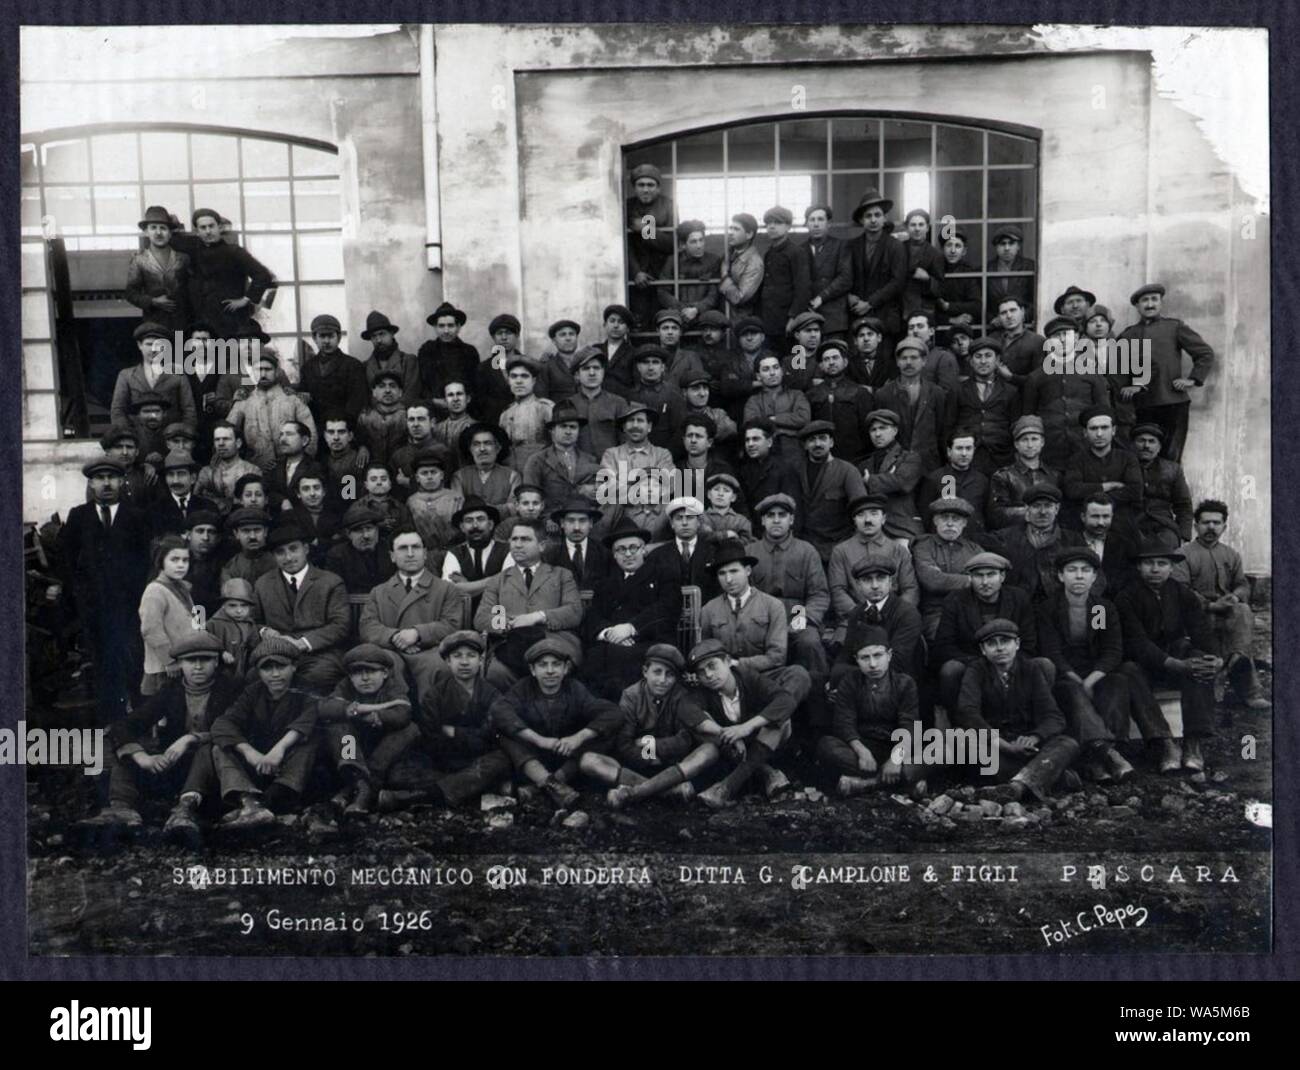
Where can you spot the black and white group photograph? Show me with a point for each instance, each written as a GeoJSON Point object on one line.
{"type": "Point", "coordinates": [528, 490]}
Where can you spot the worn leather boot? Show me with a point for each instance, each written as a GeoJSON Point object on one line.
{"type": "Point", "coordinates": [1192, 757]}
{"type": "Point", "coordinates": [1171, 756]}
{"type": "Point", "coordinates": [362, 800]}
{"type": "Point", "coordinates": [1117, 764]}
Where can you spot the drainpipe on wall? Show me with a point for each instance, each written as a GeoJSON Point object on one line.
{"type": "Point", "coordinates": [429, 143]}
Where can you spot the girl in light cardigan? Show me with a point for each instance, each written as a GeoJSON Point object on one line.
{"type": "Point", "coordinates": [166, 611]}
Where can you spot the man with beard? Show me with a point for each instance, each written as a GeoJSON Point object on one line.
{"type": "Point", "coordinates": [386, 357]}
{"type": "Point", "coordinates": [226, 281]}
{"type": "Point", "coordinates": [649, 239]}
{"type": "Point", "coordinates": [633, 607]}
{"type": "Point", "coordinates": [743, 278]}
{"type": "Point", "coordinates": [104, 558]}
{"type": "Point", "coordinates": [333, 380]}
{"type": "Point", "coordinates": [1166, 498]}
{"type": "Point", "coordinates": [1113, 549]}
{"type": "Point", "coordinates": [1215, 575]}
{"type": "Point", "coordinates": [879, 269]}
{"type": "Point", "coordinates": [987, 406]}
{"type": "Point", "coordinates": [827, 485]}
{"type": "Point", "coordinates": [697, 276]}
{"type": "Point", "coordinates": [446, 357]}
{"type": "Point", "coordinates": [830, 269]}
{"type": "Point", "coordinates": [259, 417]}
{"type": "Point", "coordinates": [1170, 637]}
{"type": "Point", "coordinates": [1008, 485]}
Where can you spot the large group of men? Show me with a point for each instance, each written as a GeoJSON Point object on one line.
{"type": "Point", "coordinates": [820, 504]}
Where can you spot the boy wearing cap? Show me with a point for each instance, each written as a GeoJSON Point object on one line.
{"type": "Point", "coordinates": [172, 507]}
{"type": "Point", "coordinates": [842, 402]}
{"type": "Point", "coordinates": [1164, 400]}
{"type": "Point", "coordinates": [940, 558]}
{"type": "Point", "coordinates": [547, 720]}
{"type": "Point", "coordinates": [1008, 484]}
{"type": "Point", "coordinates": [597, 409]}
{"type": "Point", "coordinates": [959, 478]}
{"type": "Point", "coordinates": [1006, 692]}
{"type": "Point", "coordinates": [259, 417]}
{"type": "Point", "coordinates": [234, 628]}
{"type": "Point", "coordinates": [164, 747]}
{"type": "Point", "coordinates": [751, 625]}
{"type": "Point", "coordinates": [485, 477]}
{"type": "Point", "coordinates": [226, 280]}
{"type": "Point", "coordinates": [987, 406]}
{"type": "Point", "coordinates": [748, 718]}
{"type": "Point", "coordinates": [871, 703]}
{"type": "Point", "coordinates": [382, 423]}
{"type": "Point", "coordinates": [787, 282]}
{"type": "Point", "coordinates": [306, 606]}
{"type": "Point", "coordinates": [332, 380]}
{"type": "Point", "coordinates": [1168, 634]}
{"type": "Point", "coordinates": [892, 473]}
{"type": "Point", "coordinates": [491, 387]}
{"type": "Point", "coordinates": [987, 597]}
{"type": "Point", "coordinates": [158, 277]}
{"type": "Point", "coordinates": [525, 418]}
{"type": "Point", "coordinates": [264, 744]}
{"type": "Point", "coordinates": [1166, 498]}
{"type": "Point", "coordinates": [698, 272]}
{"type": "Point", "coordinates": [722, 489]}
{"type": "Point", "coordinates": [362, 723]}
{"type": "Point", "coordinates": [827, 484]}
{"type": "Point", "coordinates": [879, 607]}
{"type": "Point", "coordinates": [743, 276]}
{"type": "Point", "coordinates": [1214, 573]}
{"type": "Point", "coordinates": [656, 750]}
{"type": "Point", "coordinates": [1080, 633]}
{"type": "Point", "coordinates": [104, 563]}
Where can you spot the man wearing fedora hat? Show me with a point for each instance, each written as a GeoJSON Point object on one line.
{"type": "Point", "coordinates": [1169, 635]}
{"type": "Point", "coordinates": [656, 750]}
{"type": "Point", "coordinates": [305, 605]}
{"type": "Point", "coordinates": [633, 606]}
{"type": "Point", "coordinates": [636, 451]}
{"type": "Point", "coordinates": [485, 477]}
{"type": "Point", "coordinates": [751, 624]}
{"type": "Point", "coordinates": [171, 507]}
{"type": "Point", "coordinates": [1005, 266]}
{"type": "Point", "coordinates": [649, 239]}
{"type": "Point", "coordinates": [587, 559]}
{"type": "Point", "coordinates": [879, 268]}
{"type": "Point", "coordinates": [787, 282]}
{"type": "Point", "coordinates": [333, 380]}
{"type": "Point", "coordinates": [471, 563]}
{"type": "Point", "coordinates": [743, 278]}
{"type": "Point", "coordinates": [157, 278]}
{"type": "Point", "coordinates": [226, 281]}
{"type": "Point", "coordinates": [1074, 303]}
{"type": "Point", "coordinates": [104, 563]}
{"type": "Point", "coordinates": [360, 558]}
{"type": "Point", "coordinates": [562, 469]}
{"type": "Point", "coordinates": [446, 357]}
{"type": "Point", "coordinates": [1163, 398]}
{"type": "Point", "coordinates": [385, 356]}
{"type": "Point", "coordinates": [698, 272]}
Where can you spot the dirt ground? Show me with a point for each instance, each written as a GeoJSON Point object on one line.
{"type": "Point", "coordinates": [1185, 869]}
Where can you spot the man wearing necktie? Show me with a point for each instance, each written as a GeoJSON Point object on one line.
{"type": "Point", "coordinates": [172, 506]}
{"type": "Point", "coordinates": [104, 561]}
{"type": "Point", "coordinates": [586, 559]}
{"type": "Point", "coordinates": [881, 608]}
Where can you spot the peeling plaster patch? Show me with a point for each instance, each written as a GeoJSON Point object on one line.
{"type": "Point", "coordinates": [1219, 76]}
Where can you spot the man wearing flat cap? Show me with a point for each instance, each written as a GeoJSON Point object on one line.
{"type": "Point", "coordinates": [305, 606]}
{"type": "Point", "coordinates": [334, 381]}
{"type": "Point", "coordinates": [868, 514]}
{"type": "Point", "coordinates": [1008, 484]}
{"type": "Point", "coordinates": [1031, 546]}
{"type": "Point", "coordinates": [1168, 634]}
{"type": "Point", "coordinates": [446, 357]}
{"type": "Point", "coordinates": [841, 400]}
{"type": "Point", "coordinates": [879, 269]}
{"type": "Point", "coordinates": [1010, 274]}
{"type": "Point", "coordinates": [649, 239]}
{"type": "Point", "coordinates": [1104, 468]}
{"type": "Point", "coordinates": [828, 484]}
{"type": "Point", "coordinates": [698, 272]}
{"type": "Point", "coordinates": [596, 406]}
{"type": "Point", "coordinates": [924, 409]}
{"type": "Point", "coordinates": [360, 558]}
{"type": "Point", "coordinates": [226, 281]}
{"type": "Point", "coordinates": [940, 558]}
{"type": "Point", "coordinates": [264, 744]}
{"type": "Point", "coordinates": [893, 473]}
{"type": "Point", "coordinates": [164, 746]}
{"type": "Point", "coordinates": [556, 370]}
{"type": "Point", "coordinates": [987, 406]}
{"type": "Point", "coordinates": [787, 286]}
{"type": "Point", "coordinates": [156, 373]}
{"type": "Point", "coordinates": [122, 444]}
{"type": "Point", "coordinates": [1166, 498]}
{"type": "Point", "coordinates": [879, 607]}
{"type": "Point", "coordinates": [549, 720]}
{"type": "Point", "coordinates": [742, 278]}
{"type": "Point", "coordinates": [1060, 392]}
{"type": "Point", "coordinates": [104, 564]}
{"type": "Point", "coordinates": [791, 570]}
{"type": "Point", "coordinates": [1163, 398]}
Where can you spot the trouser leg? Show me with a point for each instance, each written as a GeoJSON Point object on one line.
{"type": "Point", "coordinates": [837, 756]}
{"type": "Point", "coordinates": [484, 772]}
{"type": "Point", "coordinates": [950, 677]}
{"type": "Point", "coordinates": [346, 748]}
{"type": "Point", "coordinates": [124, 782]}
{"type": "Point", "coordinates": [1084, 722]}
{"type": "Point", "coordinates": [1142, 705]}
{"type": "Point", "coordinates": [201, 776]}
{"type": "Point", "coordinates": [389, 749]}
{"type": "Point", "coordinates": [319, 672]}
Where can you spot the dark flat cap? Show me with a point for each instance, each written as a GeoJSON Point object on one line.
{"type": "Point", "coordinates": [998, 626]}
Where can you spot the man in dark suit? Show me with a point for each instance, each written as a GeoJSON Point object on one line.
{"type": "Point", "coordinates": [587, 559]}
{"type": "Point", "coordinates": [1113, 548]}
{"type": "Point", "coordinates": [1031, 546]}
{"type": "Point", "coordinates": [685, 562]}
{"type": "Point", "coordinates": [173, 504]}
{"type": "Point", "coordinates": [104, 558]}
{"type": "Point", "coordinates": [361, 560]}
{"type": "Point", "coordinates": [830, 269]}
{"type": "Point", "coordinates": [786, 276]}
{"type": "Point", "coordinates": [334, 381]}
{"type": "Point", "coordinates": [762, 470]}
{"type": "Point", "coordinates": [879, 269]}
{"type": "Point", "coordinates": [227, 281]}
{"type": "Point", "coordinates": [305, 605]}
{"type": "Point", "coordinates": [631, 609]}
{"type": "Point", "coordinates": [827, 484]}
{"type": "Point", "coordinates": [524, 603]}
{"type": "Point", "coordinates": [412, 611]}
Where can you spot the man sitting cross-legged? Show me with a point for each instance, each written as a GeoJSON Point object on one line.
{"type": "Point", "coordinates": [658, 750]}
